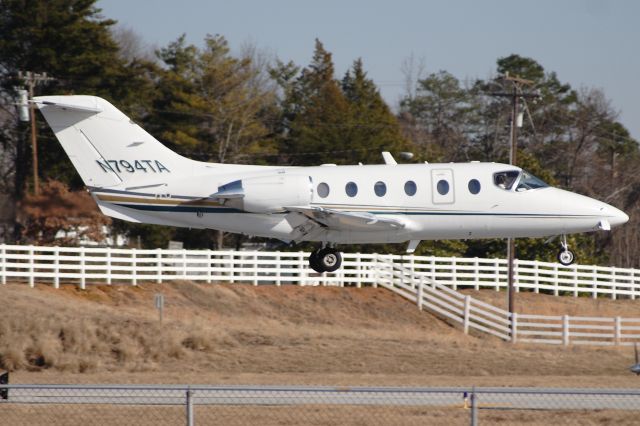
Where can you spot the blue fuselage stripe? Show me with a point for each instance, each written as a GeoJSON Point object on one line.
{"type": "Point", "coordinates": [204, 209]}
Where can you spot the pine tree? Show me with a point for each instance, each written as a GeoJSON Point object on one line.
{"type": "Point", "coordinates": [372, 127]}
{"type": "Point", "coordinates": [319, 114]}
{"type": "Point", "coordinates": [71, 41]}
{"type": "Point", "coordinates": [212, 106]}
{"type": "Point", "coordinates": [330, 121]}
{"type": "Point", "coordinates": [441, 111]}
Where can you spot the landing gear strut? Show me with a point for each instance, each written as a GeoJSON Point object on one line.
{"type": "Point", "coordinates": [326, 259]}
{"type": "Point", "coordinates": [565, 256]}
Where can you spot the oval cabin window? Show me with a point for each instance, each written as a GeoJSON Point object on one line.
{"type": "Point", "coordinates": [410, 188]}
{"type": "Point", "coordinates": [323, 190]}
{"type": "Point", "coordinates": [443, 187]}
{"type": "Point", "coordinates": [474, 186]}
{"type": "Point", "coordinates": [380, 188]}
{"type": "Point", "coordinates": [351, 189]}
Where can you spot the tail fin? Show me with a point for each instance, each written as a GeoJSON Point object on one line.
{"type": "Point", "coordinates": [105, 146]}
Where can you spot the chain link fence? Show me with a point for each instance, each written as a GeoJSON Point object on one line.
{"type": "Point", "coordinates": [262, 405]}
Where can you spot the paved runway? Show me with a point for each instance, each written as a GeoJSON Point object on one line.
{"type": "Point", "coordinates": [487, 398]}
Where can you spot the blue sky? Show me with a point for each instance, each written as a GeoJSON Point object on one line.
{"type": "Point", "coordinates": [591, 43]}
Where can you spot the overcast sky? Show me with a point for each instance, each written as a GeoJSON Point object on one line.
{"type": "Point", "coordinates": [590, 43]}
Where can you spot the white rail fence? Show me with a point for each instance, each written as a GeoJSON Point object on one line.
{"type": "Point", "coordinates": [84, 265]}
{"type": "Point", "coordinates": [474, 314]}
{"type": "Point", "coordinates": [430, 282]}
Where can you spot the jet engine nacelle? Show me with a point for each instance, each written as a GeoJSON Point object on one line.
{"type": "Point", "coordinates": [267, 194]}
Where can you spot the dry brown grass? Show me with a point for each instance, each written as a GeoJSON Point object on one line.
{"type": "Point", "coordinates": [320, 415]}
{"type": "Point", "coordinates": [289, 335]}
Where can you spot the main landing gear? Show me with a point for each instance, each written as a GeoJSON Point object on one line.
{"type": "Point", "coordinates": [565, 256]}
{"type": "Point", "coordinates": [326, 259]}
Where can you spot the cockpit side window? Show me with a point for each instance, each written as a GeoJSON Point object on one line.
{"type": "Point", "coordinates": [522, 180]}
{"type": "Point", "coordinates": [505, 180]}
{"type": "Point", "coordinates": [528, 181]}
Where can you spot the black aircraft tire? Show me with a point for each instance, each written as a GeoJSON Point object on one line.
{"type": "Point", "coordinates": [329, 259]}
{"type": "Point", "coordinates": [314, 262]}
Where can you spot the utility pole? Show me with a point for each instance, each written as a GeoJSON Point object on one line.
{"type": "Point", "coordinates": [32, 79]}
{"type": "Point", "coordinates": [515, 95]}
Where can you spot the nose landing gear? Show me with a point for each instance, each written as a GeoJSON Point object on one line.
{"type": "Point", "coordinates": [565, 256]}
{"type": "Point", "coordinates": [326, 259]}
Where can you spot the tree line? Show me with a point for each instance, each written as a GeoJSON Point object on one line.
{"type": "Point", "coordinates": [212, 104]}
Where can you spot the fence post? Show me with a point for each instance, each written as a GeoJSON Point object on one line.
{"type": "Point", "coordinates": [555, 280]}
{"type": "Point", "coordinates": [420, 291]}
{"type": "Point", "coordinates": [497, 272]}
{"type": "Point", "coordinates": [358, 269]}
{"type": "Point", "coordinates": [474, 407]}
{"type": "Point", "coordinates": [613, 284]}
{"type": "Point", "coordinates": [476, 265]}
{"type": "Point", "coordinates": [302, 268]}
{"type": "Point", "coordinates": [255, 268]}
{"type": "Point", "coordinates": [31, 270]}
{"type": "Point", "coordinates": [595, 282]}
{"type": "Point", "coordinates": [516, 274]}
{"type": "Point", "coordinates": [432, 267]}
{"type": "Point", "coordinates": [376, 270]}
{"type": "Point", "coordinates": [467, 311]}
{"type": "Point", "coordinates": [536, 276]}
{"type": "Point", "coordinates": [208, 266]}
{"type": "Point", "coordinates": [189, 407]}
{"type": "Point", "coordinates": [575, 281]}
{"type": "Point", "coordinates": [232, 267]}
{"type": "Point", "coordinates": [3, 263]}
{"type": "Point", "coordinates": [359, 276]}
{"type": "Point", "coordinates": [109, 265]}
{"type": "Point", "coordinates": [56, 267]}
{"type": "Point", "coordinates": [159, 265]}
{"type": "Point", "coordinates": [618, 331]}
{"type": "Point", "coordinates": [514, 327]}
{"type": "Point", "coordinates": [454, 273]}
{"type": "Point", "coordinates": [278, 268]}
{"type": "Point", "coordinates": [83, 278]}
{"type": "Point", "coordinates": [565, 330]}
{"type": "Point", "coordinates": [184, 264]}
{"type": "Point", "coordinates": [412, 266]}
{"type": "Point", "coordinates": [134, 267]}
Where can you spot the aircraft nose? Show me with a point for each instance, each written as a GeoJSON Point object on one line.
{"type": "Point", "coordinates": [616, 217]}
{"type": "Point", "coordinates": [611, 217]}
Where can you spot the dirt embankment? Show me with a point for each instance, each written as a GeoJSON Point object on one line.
{"type": "Point", "coordinates": [282, 335]}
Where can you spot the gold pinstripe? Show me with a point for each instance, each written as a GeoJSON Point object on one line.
{"type": "Point", "coordinates": [150, 201]}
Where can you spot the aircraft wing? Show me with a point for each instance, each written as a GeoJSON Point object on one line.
{"type": "Point", "coordinates": [339, 220]}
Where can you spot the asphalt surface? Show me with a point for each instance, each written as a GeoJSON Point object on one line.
{"type": "Point", "coordinates": [487, 398]}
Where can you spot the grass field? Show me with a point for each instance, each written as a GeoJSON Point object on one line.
{"type": "Point", "coordinates": [240, 334]}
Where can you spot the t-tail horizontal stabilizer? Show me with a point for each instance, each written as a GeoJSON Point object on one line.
{"type": "Point", "coordinates": [71, 107]}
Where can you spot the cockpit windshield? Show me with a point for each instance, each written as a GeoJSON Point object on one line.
{"type": "Point", "coordinates": [522, 180]}
{"type": "Point", "coordinates": [528, 181]}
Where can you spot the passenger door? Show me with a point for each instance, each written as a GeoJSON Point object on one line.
{"type": "Point", "coordinates": [442, 186]}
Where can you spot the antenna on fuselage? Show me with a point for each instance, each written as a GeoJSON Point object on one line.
{"type": "Point", "coordinates": [388, 159]}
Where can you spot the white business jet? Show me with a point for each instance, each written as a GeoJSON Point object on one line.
{"type": "Point", "coordinates": [134, 177]}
